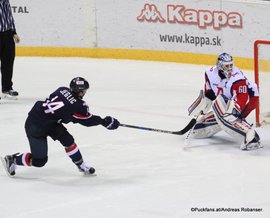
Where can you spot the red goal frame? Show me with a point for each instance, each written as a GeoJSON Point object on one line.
{"type": "Point", "coordinates": [256, 73]}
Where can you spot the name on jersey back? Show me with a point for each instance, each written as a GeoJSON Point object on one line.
{"type": "Point", "coordinates": [68, 96]}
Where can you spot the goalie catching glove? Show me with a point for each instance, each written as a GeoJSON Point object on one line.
{"type": "Point", "coordinates": [110, 123]}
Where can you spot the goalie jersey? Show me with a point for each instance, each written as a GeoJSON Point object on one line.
{"type": "Point", "coordinates": [236, 87]}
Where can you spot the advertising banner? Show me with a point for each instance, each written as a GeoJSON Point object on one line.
{"type": "Point", "coordinates": [198, 26]}
{"type": "Point", "coordinates": [58, 23]}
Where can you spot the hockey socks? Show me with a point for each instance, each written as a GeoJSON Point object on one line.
{"type": "Point", "coordinates": [23, 159]}
{"type": "Point", "coordinates": [74, 153]}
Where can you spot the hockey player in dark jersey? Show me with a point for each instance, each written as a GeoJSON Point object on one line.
{"type": "Point", "coordinates": [45, 119]}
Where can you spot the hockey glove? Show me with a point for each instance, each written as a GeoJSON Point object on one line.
{"type": "Point", "coordinates": [232, 113]}
{"type": "Point", "coordinates": [110, 123]}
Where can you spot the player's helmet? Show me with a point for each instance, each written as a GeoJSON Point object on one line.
{"type": "Point", "coordinates": [78, 84]}
{"type": "Point", "coordinates": [225, 64]}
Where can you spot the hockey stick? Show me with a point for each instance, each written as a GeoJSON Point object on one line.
{"type": "Point", "coordinates": [181, 132]}
{"type": "Point", "coordinates": [191, 129]}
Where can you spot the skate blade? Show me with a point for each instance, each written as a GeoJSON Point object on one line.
{"type": "Point", "coordinates": [253, 147]}
{"type": "Point", "coordinates": [5, 166]}
{"type": "Point", "coordinates": [9, 97]}
{"type": "Point", "coordinates": [89, 175]}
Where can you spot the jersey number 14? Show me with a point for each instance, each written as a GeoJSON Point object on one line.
{"type": "Point", "coordinates": [52, 105]}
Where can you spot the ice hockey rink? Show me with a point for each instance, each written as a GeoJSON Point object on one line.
{"type": "Point", "coordinates": [140, 174]}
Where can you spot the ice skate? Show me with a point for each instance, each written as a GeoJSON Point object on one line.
{"type": "Point", "coordinates": [87, 170]}
{"type": "Point", "coordinates": [9, 164]}
{"type": "Point", "coordinates": [11, 94]}
{"type": "Point", "coordinates": [253, 144]}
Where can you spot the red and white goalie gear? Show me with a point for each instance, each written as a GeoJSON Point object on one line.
{"type": "Point", "coordinates": [206, 126]}
{"type": "Point", "coordinates": [232, 111]}
{"type": "Point", "coordinates": [200, 106]}
{"type": "Point", "coordinates": [253, 99]}
{"type": "Point", "coordinates": [226, 113]}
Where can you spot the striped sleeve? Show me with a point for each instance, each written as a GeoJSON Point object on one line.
{"type": "Point", "coordinates": [209, 93]}
{"type": "Point", "coordinates": [82, 117]}
{"type": "Point", "coordinates": [6, 18]}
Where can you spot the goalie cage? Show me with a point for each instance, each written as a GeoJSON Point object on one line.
{"type": "Point", "coordinates": [262, 78]}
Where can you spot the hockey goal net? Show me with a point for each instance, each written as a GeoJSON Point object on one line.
{"type": "Point", "coordinates": [262, 78]}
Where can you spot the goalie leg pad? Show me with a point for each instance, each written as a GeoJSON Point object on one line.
{"type": "Point", "coordinates": [201, 105]}
{"type": "Point", "coordinates": [240, 130]}
{"type": "Point", "coordinates": [220, 109]}
{"type": "Point", "coordinates": [206, 127]}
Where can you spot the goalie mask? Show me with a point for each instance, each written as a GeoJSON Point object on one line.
{"type": "Point", "coordinates": [225, 64]}
{"type": "Point", "coordinates": [79, 86]}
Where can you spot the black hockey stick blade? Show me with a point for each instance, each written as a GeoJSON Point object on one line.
{"type": "Point", "coordinates": [181, 132]}
{"type": "Point", "coordinates": [188, 127]}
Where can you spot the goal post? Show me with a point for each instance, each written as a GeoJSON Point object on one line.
{"type": "Point", "coordinates": [262, 79]}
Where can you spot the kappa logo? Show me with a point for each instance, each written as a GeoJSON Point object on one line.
{"type": "Point", "coordinates": [150, 13]}
{"type": "Point", "coordinates": [202, 18]}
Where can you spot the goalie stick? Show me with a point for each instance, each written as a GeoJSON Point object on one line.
{"type": "Point", "coordinates": [181, 132]}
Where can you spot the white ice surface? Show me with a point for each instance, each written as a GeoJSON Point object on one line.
{"type": "Point", "coordinates": [140, 174]}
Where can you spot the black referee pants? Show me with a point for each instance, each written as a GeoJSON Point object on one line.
{"type": "Point", "coordinates": [7, 56]}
